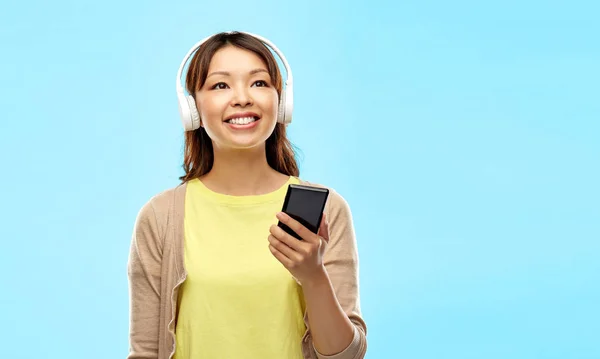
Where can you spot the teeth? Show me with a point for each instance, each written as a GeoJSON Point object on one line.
{"type": "Point", "coordinates": [242, 120]}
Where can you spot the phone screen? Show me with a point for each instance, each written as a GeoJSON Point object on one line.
{"type": "Point", "coordinates": [305, 204]}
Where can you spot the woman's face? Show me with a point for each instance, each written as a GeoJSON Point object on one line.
{"type": "Point", "coordinates": [238, 103]}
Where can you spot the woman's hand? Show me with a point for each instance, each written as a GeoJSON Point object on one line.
{"type": "Point", "coordinates": [304, 259]}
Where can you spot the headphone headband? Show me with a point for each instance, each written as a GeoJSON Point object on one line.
{"type": "Point", "coordinates": [187, 107]}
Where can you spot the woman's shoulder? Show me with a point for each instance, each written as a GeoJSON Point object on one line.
{"type": "Point", "coordinates": [164, 201]}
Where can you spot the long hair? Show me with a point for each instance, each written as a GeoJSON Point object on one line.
{"type": "Point", "coordinates": [198, 155]}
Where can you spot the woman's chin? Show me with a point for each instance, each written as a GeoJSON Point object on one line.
{"type": "Point", "coordinates": [242, 142]}
{"type": "Point", "coordinates": [252, 138]}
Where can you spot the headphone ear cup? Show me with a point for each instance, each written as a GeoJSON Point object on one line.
{"type": "Point", "coordinates": [289, 105]}
{"type": "Point", "coordinates": [281, 111]}
{"type": "Point", "coordinates": [286, 106]}
{"type": "Point", "coordinates": [184, 112]}
{"type": "Point", "coordinates": [194, 116]}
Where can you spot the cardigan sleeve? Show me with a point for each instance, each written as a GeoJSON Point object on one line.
{"type": "Point", "coordinates": [144, 270]}
{"type": "Point", "coordinates": [341, 262]}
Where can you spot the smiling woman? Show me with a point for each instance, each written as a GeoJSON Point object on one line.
{"type": "Point", "coordinates": [247, 84]}
{"type": "Point", "coordinates": [235, 69]}
{"type": "Point", "coordinates": [211, 274]}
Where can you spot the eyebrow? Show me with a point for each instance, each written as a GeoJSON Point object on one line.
{"type": "Point", "coordinates": [225, 73]}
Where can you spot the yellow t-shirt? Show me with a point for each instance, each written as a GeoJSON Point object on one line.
{"type": "Point", "coordinates": [238, 300]}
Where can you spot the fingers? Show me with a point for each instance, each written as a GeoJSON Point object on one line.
{"type": "Point", "coordinates": [297, 227]}
{"type": "Point", "coordinates": [298, 256]}
{"type": "Point", "coordinates": [287, 240]}
{"type": "Point", "coordinates": [280, 256]}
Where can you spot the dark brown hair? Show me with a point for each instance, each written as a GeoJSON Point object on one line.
{"type": "Point", "coordinates": [198, 150]}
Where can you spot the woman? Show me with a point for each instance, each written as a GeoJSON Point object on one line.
{"type": "Point", "coordinates": [211, 274]}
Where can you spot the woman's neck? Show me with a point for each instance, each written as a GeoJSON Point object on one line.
{"type": "Point", "coordinates": [242, 173]}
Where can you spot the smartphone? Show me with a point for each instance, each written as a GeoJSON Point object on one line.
{"type": "Point", "coordinates": [305, 204]}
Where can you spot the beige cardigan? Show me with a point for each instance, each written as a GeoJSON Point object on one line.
{"type": "Point", "coordinates": [156, 271]}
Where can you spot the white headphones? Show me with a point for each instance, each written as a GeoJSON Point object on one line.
{"type": "Point", "coordinates": [187, 106]}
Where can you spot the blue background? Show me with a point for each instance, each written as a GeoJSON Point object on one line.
{"type": "Point", "coordinates": [464, 135]}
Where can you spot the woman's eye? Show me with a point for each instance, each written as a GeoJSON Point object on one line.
{"type": "Point", "coordinates": [261, 83]}
{"type": "Point", "coordinates": [219, 86]}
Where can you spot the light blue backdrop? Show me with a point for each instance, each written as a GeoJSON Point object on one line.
{"type": "Point", "coordinates": [465, 137]}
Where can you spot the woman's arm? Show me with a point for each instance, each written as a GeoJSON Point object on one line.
{"type": "Point", "coordinates": [331, 329]}
{"type": "Point", "coordinates": [326, 265]}
{"type": "Point", "coordinates": [333, 302]}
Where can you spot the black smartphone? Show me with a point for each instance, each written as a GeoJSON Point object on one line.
{"type": "Point", "coordinates": [305, 204]}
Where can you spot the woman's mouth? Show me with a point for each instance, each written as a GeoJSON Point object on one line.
{"type": "Point", "coordinates": [242, 122]}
